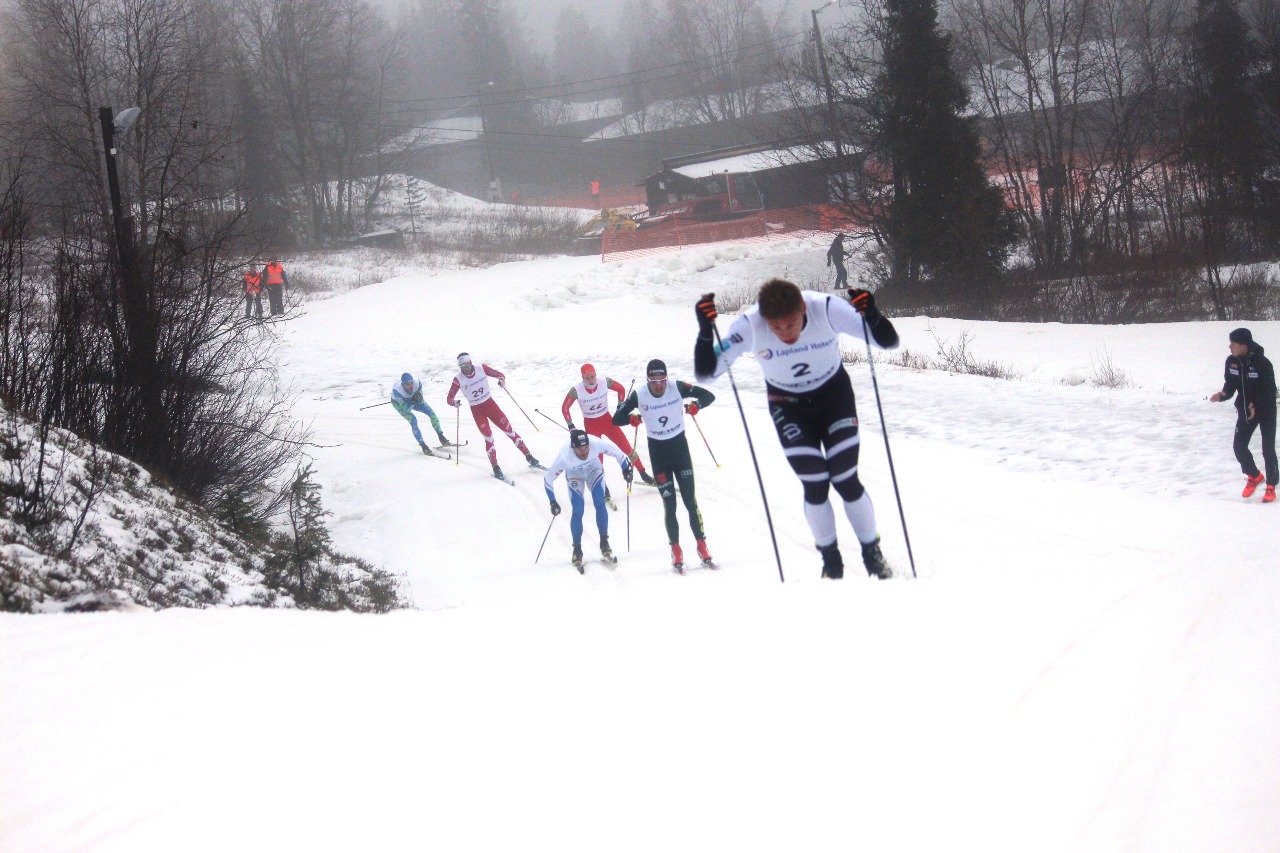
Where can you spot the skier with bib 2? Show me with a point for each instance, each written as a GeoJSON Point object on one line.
{"type": "Point", "coordinates": [795, 336]}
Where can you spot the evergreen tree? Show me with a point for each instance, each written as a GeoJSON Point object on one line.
{"type": "Point", "coordinates": [1221, 139]}
{"type": "Point", "coordinates": [942, 219]}
{"type": "Point", "coordinates": [1223, 133]}
{"type": "Point", "coordinates": [310, 539]}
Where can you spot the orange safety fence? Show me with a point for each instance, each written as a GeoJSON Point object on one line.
{"type": "Point", "coordinates": [788, 222]}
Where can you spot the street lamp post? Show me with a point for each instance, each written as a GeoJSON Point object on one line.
{"type": "Point", "coordinates": [494, 193]}
{"type": "Point", "coordinates": [826, 80]}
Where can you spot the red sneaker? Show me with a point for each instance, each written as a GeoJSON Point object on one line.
{"type": "Point", "coordinates": [1251, 485]}
{"type": "Point", "coordinates": [1269, 495]}
{"type": "Point", "coordinates": [703, 553]}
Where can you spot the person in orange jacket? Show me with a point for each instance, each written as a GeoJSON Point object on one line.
{"type": "Point", "coordinates": [276, 280]}
{"type": "Point", "coordinates": [252, 291]}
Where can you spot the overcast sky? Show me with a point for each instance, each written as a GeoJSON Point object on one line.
{"type": "Point", "coordinates": [538, 16]}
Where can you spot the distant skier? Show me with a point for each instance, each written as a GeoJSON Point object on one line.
{"type": "Point", "coordinates": [474, 385]}
{"type": "Point", "coordinates": [1250, 372]}
{"type": "Point", "coordinates": [579, 461]}
{"type": "Point", "coordinates": [406, 398]}
{"type": "Point", "coordinates": [662, 410]}
{"type": "Point", "coordinates": [796, 336]}
{"type": "Point", "coordinates": [593, 400]}
{"type": "Point", "coordinates": [836, 255]}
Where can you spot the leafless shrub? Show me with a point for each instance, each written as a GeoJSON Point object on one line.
{"type": "Point", "coordinates": [956, 358]}
{"type": "Point", "coordinates": [911, 360]}
{"type": "Point", "coordinates": [735, 298]}
{"type": "Point", "coordinates": [1106, 374]}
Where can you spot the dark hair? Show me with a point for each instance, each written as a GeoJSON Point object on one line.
{"type": "Point", "coordinates": [779, 298]}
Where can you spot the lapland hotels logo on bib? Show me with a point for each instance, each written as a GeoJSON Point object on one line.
{"type": "Point", "coordinates": [767, 353]}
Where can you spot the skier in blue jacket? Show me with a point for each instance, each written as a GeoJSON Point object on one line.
{"type": "Point", "coordinates": [406, 398]}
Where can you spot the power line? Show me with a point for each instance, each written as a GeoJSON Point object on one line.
{"type": "Point", "coordinates": [773, 42]}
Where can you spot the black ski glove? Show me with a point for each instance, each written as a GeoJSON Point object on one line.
{"type": "Point", "coordinates": [555, 508]}
{"type": "Point", "coordinates": [865, 304]}
{"type": "Point", "coordinates": [627, 473]}
{"type": "Point", "coordinates": [706, 309]}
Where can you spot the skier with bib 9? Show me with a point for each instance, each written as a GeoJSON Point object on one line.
{"type": "Point", "coordinates": [579, 461]}
{"type": "Point", "coordinates": [795, 335]}
{"type": "Point", "coordinates": [474, 386]}
{"type": "Point", "coordinates": [593, 400]}
{"type": "Point", "coordinates": [406, 398]}
{"type": "Point", "coordinates": [662, 410]}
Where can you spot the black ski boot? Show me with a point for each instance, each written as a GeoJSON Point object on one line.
{"type": "Point", "coordinates": [605, 550]}
{"type": "Point", "coordinates": [497, 472]}
{"type": "Point", "coordinates": [577, 558]}
{"type": "Point", "coordinates": [444, 442]}
{"type": "Point", "coordinates": [533, 463]}
{"type": "Point", "coordinates": [425, 450]}
{"type": "Point", "coordinates": [876, 565]}
{"type": "Point", "coordinates": [647, 478]}
{"type": "Point", "coordinates": [832, 562]}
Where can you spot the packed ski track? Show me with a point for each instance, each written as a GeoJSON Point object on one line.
{"type": "Point", "coordinates": [1088, 661]}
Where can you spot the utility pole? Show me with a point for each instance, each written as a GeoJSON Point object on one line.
{"type": "Point", "coordinates": [831, 97]}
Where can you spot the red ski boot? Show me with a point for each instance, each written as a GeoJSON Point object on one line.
{"type": "Point", "coordinates": [1269, 495]}
{"type": "Point", "coordinates": [677, 558]}
{"type": "Point", "coordinates": [705, 555]}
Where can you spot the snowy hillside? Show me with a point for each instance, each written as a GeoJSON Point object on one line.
{"type": "Point", "coordinates": [1088, 661]}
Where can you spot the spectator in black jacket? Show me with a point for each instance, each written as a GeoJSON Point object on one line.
{"type": "Point", "coordinates": [1250, 373]}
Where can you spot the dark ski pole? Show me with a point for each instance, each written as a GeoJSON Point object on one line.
{"type": "Point", "coordinates": [376, 405]}
{"type": "Point", "coordinates": [521, 408]}
{"type": "Point", "coordinates": [544, 540]}
{"type": "Point", "coordinates": [694, 418]}
{"type": "Point", "coordinates": [884, 430]}
{"type": "Point", "coordinates": [773, 537]}
{"type": "Point", "coordinates": [548, 417]}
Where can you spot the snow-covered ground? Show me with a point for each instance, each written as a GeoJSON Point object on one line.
{"type": "Point", "coordinates": [1088, 661]}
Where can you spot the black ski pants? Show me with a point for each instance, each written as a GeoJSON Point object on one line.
{"type": "Point", "coordinates": [1244, 434]}
{"type": "Point", "coordinates": [670, 465]}
{"type": "Point", "coordinates": [819, 435]}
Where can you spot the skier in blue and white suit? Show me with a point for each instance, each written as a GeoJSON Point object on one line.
{"type": "Point", "coordinates": [795, 336]}
{"type": "Point", "coordinates": [406, 398]}
{"type": "Point", "coordinates": [579, 461]}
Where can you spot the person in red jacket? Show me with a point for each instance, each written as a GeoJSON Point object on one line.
{"type": "Point", "coordinates": [252, 291]}
{"type": "Point", "coordinates": [597, 420]}
{"type": "Point", "coordinates": [474, 385]}
{"type": "Point", "coordinates": [276, 280]}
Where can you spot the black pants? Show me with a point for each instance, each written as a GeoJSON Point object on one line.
{"type": "Point", "coordinates": [819, 435]}
{"type": "Point", "coordinates": [1244, 433]}
{"type": "Point", "coordinates": [671, 465]}
{"type": "Point", "coordinates": [251, 299]}
{"type": "Point", "coordinates": [842, 275]}
{"type": "Point", "coordinates": [275, 293]}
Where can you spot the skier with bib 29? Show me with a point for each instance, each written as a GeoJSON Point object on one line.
{"type": "Point", "coordinates": [474, 385]}
{"type": "Point", "coordinates": [662, 410]}
{"type": "Point", "coordinates": [580, 463]}
{"type": "Point", "coordinates": [795, 335]}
